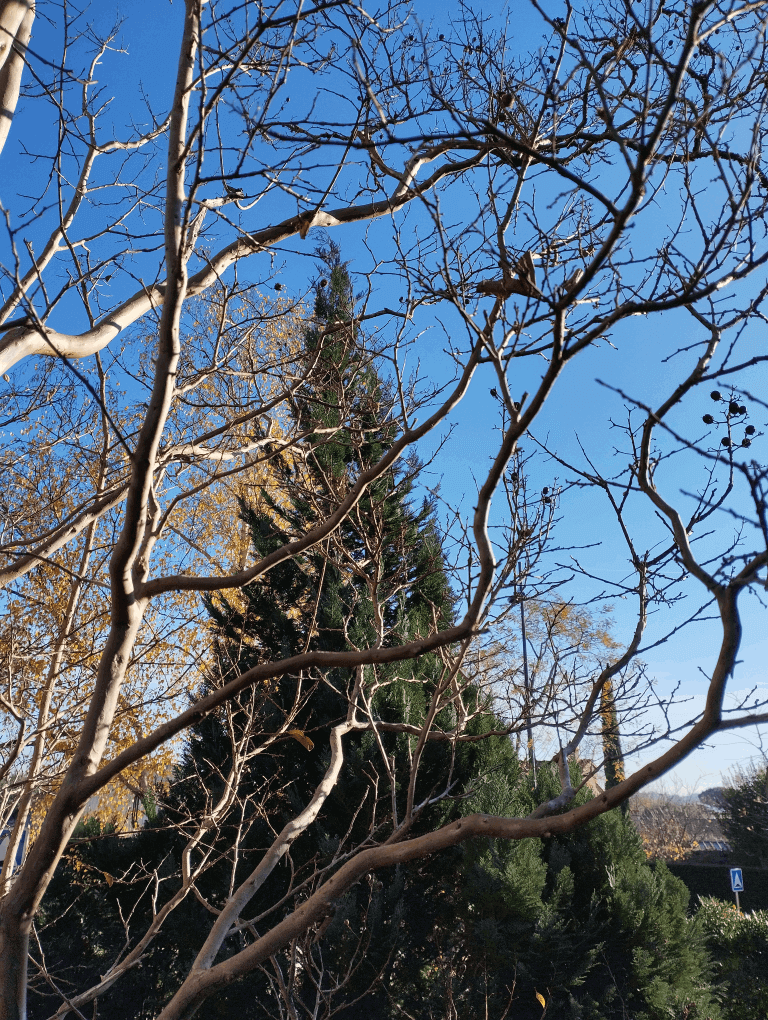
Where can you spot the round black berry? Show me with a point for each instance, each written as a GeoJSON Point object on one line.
{"type": "Point", "coordinates": [746, 442]}
{"type": "Point", "coordinates": [750, 430]}
{"type": "Point", "coordinates": [716, 395]}
{"type": "Point", "coordinates": [733, 407]}
{"type": "Point", "coordinates": [725, 441]}
{"type": "Point", "coordinates": [707, 419]}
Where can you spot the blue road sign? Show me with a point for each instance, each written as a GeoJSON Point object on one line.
{"type": "Point", "coordinates": [737, 880]}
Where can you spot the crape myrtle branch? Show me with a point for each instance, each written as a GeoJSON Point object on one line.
{"type": "Point", "coordinates": [209, 98]}
{"type": "Point", "coordinates": [314, 910]}
{"type": "Point", "coordinates": [27, 891]}
{"type": "Point", "coordinates": [198, 447]}
{"type": "Point", "coordinates": [59, 241]}
{"type": "Point", "coordinates": [706, 506]}
{"type": "Point", "coordinates": [24, 342]}
{"type": "Point", "coordinates": [646, 150]}
{"type": "Point", "coordinates": [280, 846]}
{"type": "Point", "coordinates": [42, 969]}
{"type": "Point", "coordinates": [190, 874]}
{"type": "Point", "coordinates": [46, 718]}
{"type": "Point", "coordinates": [450, 672]}
{"type": "Point", "coordinates": [606, 676]}
{"type": "Point", "coordinates": [539, 157]}
{"type": "Point", "coordinates": [16, 20]}
{"type": "Point", "coordinates": [129, 563]}
{"type": "Point", "coordinates": [43, 546]}
{"type": "Point", "coordinates": [56, 537]}
{"type": "Point", "coordinates": [627, 308]}
{"type": "Point", "coordinates": [72, 796]}
{"type": "Point", "coordinates": [326, 660]}
{"type": "Point", "coordinates": [725, 594]}
{"type": "Point", "coordinates": [744, 720]}
{"type": "Point", "coordinates": [399, 447]}
{"type": "Point", "coordinates": [228, 919]}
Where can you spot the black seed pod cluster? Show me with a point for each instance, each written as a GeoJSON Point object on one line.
{"type": "Point", "coordinates": [735, 409]}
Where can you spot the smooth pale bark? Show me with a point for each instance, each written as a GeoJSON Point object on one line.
{"type": "Point", "coordinates": [60, 536]}
{"type": "Point", "coordinates": [127, 567]}
{"type": "Point", "coordinates": [26, 341]}
{"type": "Point", "coordinates": [22, 902]}
{"type": "Point", "coordinates": [280, 847]}
{"type": "Point", "coordinates": [16, 18]}
{"type": "Point", "coordinates": [25, 804]}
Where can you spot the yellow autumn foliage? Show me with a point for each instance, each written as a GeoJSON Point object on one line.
{"type": "Point", "coordinates": [56, 616]}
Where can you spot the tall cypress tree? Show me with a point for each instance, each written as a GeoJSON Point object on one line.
{"type": "Point", "coordinates": [612, 752]}
{"type": "Point", "coordinates": [380, 580]}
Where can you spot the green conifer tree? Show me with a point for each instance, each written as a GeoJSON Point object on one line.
{"type": "Point", "coordinates": [382, 580]}
{"type": "Point", "coordinates": [581, 921]}
{"type": "Point", "coordinates": [745, 820]}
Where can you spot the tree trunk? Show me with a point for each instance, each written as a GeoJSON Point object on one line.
{"type": "Point", "coordinates": [14, 949]}
{"type": "Point", "coordinates": [16, 17]}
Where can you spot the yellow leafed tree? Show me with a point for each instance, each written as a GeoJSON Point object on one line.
{"type": "Point", "coordinates": [57, 612]}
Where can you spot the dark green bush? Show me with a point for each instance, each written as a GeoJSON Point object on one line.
{"type": "Point", "coordinates": [738, 945]}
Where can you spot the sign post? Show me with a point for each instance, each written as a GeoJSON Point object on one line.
{"type": "Point", "coordinates": [737, 885]}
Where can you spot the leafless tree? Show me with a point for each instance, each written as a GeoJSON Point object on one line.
{"type": "Point", "coordinates": [670, 825]}
{"type": "Point", "coordinates": [528, 204]}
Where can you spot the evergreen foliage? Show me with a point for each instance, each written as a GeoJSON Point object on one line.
{"type": "Point", "coordinates": [745, 820]}
{"type": "Point", "coordinates": [738, 944]}
{"type": "Point", "coordinates": [581, 920]}
{"type": "Point", "coordinates": [97, 900]}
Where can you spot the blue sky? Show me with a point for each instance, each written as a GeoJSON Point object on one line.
{"type": "Point", "coordinates": [578, 412]}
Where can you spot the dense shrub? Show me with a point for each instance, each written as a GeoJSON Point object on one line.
{"type": "Point", "coordinates": [738, 944]}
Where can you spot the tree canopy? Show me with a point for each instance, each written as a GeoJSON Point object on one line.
{"type": "Point", "coordinates": [581, 198]}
